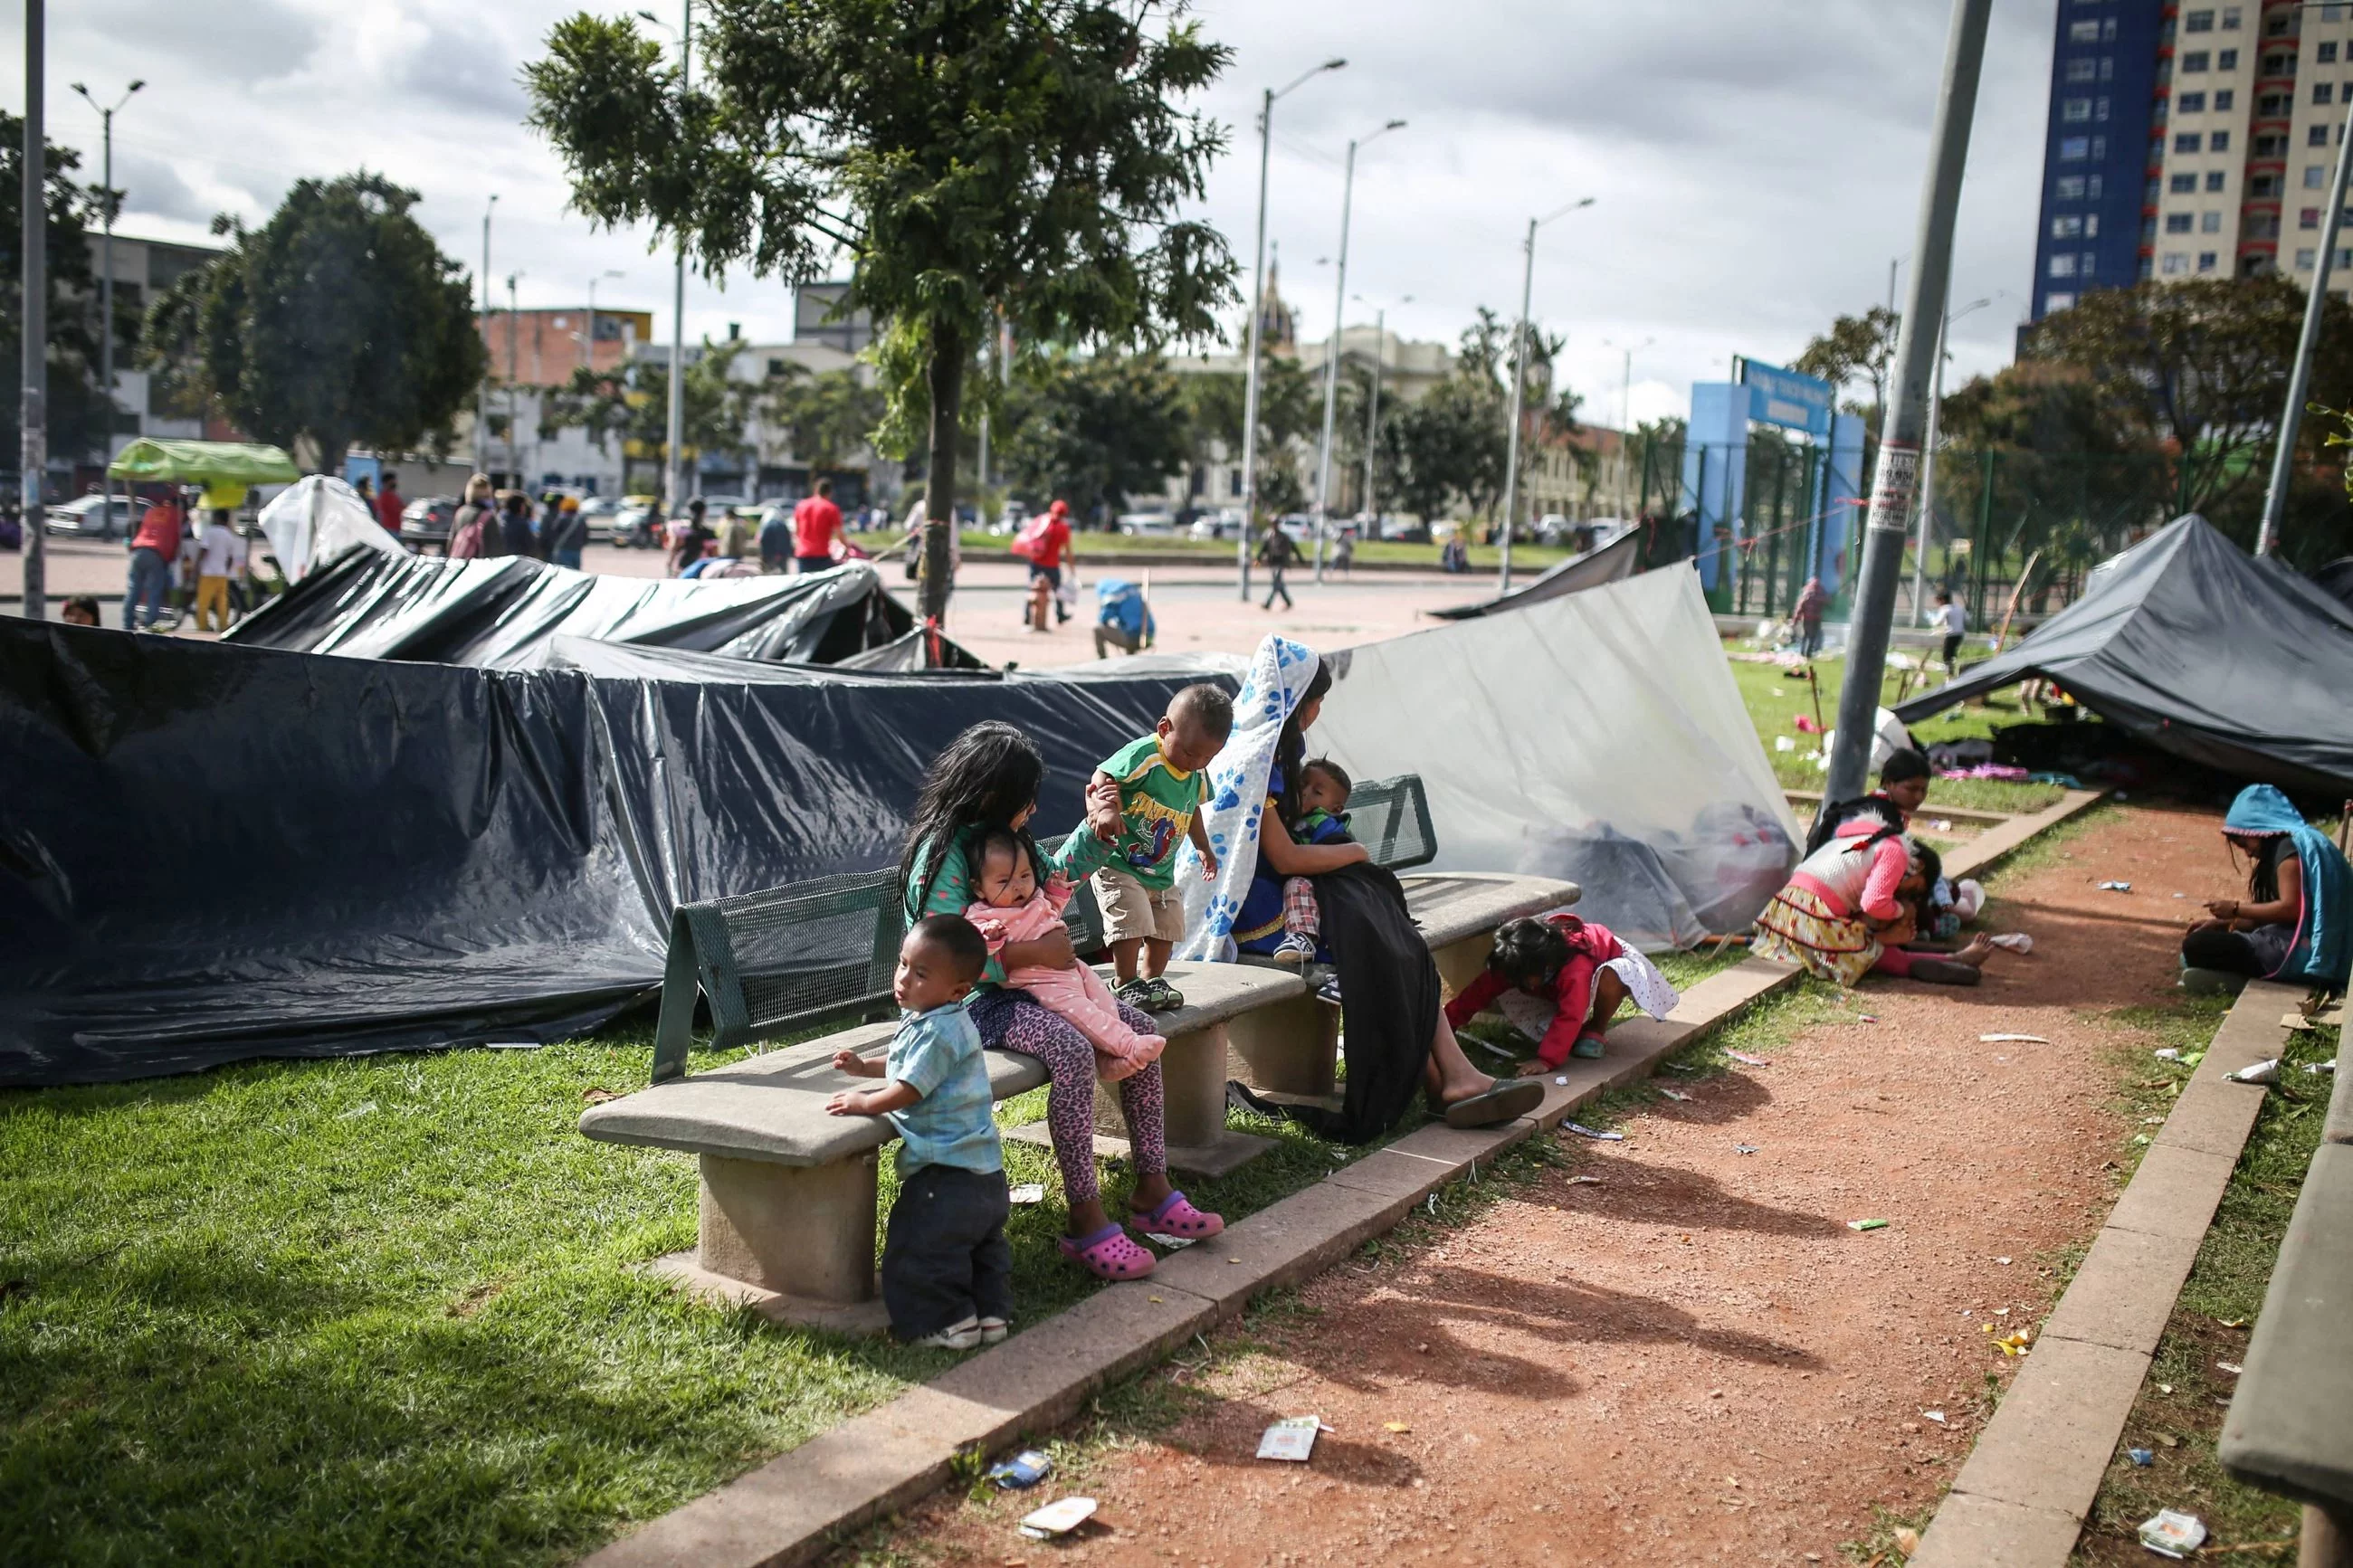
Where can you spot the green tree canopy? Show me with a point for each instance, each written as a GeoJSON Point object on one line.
{"type": "Point", "coordinates": [1856, 347]}
{"type": "Point", "coordinates": [632, 402]}
{"type": "Point", "coordinates": [974, 158]}
{"type": "Point", "coordinates": [76, 412]}
{"type": "Point", "coordinates": [337, 321]}
{"type": "Point", "coordinates": [828, 416]}
{"type": "Point", "coordinates": [1289, 414]}
{"type": "Point", "coordinates": [1095, 431]}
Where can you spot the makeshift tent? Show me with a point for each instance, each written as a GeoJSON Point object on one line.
{"type": "Point", "coordinates": [212, 852]}
{"type": "Point", "coordinates": [500, 613]}
{"type": "Point", "coordinates": [2185, 642]}
{"type": "Point", "coordinates": [315, 520]}
{"type": "Point", "coordinates": [226, 468]}
{"type": "Point", "coordinates": [1611, 563]}
{"type": "Point", "coordinates": [1598, 737]}
{"type": "Point", "coordinates": [2336, 580]}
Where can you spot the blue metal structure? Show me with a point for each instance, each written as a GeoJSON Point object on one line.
{"type": "Point", "coordinates": [2098, 195]}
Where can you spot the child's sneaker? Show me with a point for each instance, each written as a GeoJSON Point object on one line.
{"type": "Point", "coordinates": [1294, 950]}
{"type": "Point", "coordinates": [992, 1331]}
{"type": "Point", "coordinates": [1328, 988]}
{"type": "Point", "coordinates": [961, 1336]}
{"type": "Point", "coordinates": [1160, 996]}
{"type": "Point", "coordinates": [1135, 993]}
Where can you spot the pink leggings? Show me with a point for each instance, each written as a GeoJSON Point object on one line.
{"type": "Point", "coordinates": [1893, 961]}
{"type": "Point", "coordinates": [1014, 1021]}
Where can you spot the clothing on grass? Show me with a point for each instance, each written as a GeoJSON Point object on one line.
{"type": "Point", "coordinates": [938, 1054]}
{"type": "Point", "coordinates": [944, 1256]}
{"type": "Point", "coordinates": [1078, 993]}
{"type": "Point", "coordinates": [1238, 791]}
{"type": "Point", "coordinates": [1569, 998]}
{"type": "Point", "coordinates": [1016, 1021]}
{"type": "Point", "coordinates": [2320, 944]}
{"type": "Point", "coordinates": [1157, 800]}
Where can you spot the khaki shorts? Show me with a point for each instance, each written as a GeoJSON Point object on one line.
{"type": "Point", "coordinates": [1132, 910]}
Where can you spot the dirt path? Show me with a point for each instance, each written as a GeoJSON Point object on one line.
{"type": "Point", "coordinates": [1695, 1360]}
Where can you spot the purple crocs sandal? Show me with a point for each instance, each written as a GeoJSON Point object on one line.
{"type": "Point", "coordinates": [1178, 1216]}
{"type": "Point", "coordinates": [1108, 1253]}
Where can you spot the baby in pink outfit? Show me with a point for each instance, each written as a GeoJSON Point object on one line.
{"type": "Point", "coordinates": [1013, 908]}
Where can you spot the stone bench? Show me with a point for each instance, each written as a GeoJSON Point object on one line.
{"type": "Point", "coordinates": [2290, 1428]}
{"type": "Point", "coordinates": [789, 1192]}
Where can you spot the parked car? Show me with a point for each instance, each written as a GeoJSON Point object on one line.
{"type": "Point", "coordinates": [1221, 524]}
{"type": "Point", "coordinates": [88, 518]}
{"type": "Point", "coordinates": [639, 524]}
{"type": "Point", "coordinates": [599, 513]}
{"type": "Point", "coordinates": [1154, 524]}
{"type": "Point", "coordinates": [425, 524]}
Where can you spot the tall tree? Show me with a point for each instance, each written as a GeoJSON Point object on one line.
{"type": "Point", "coordinates": [828, 416]}
{"type": "Point", "coordinates": [972, 157]}
{"type": "Point", "coordinates": [1095, 431]}
{"type": "Point", "coordinates": [1290, 410]}
{"type": "Point", "coordinates": [337, 321]}
{"type": "Point", "coordinates": [1856, 347]}
{"type": "Point", "coordinates": [77, 412]}
{"type": "Point", "coordinates": [633, 403]}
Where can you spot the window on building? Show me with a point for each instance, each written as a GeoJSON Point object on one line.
{"type": "Point", "coordinates": [2091, 225]}
{"type": "Point", "coordinates": [2183, 185]}
{"type": "Point", "coordinates": [2178, 223]}
{"type": "Point", "coordinates": [2308, 218]}
{"type": "Point", "coordinates": [1234, 483]}
{"type": "Point", "coordinates": [2215, 177]}
{"type": "Point", "coordinates": [2099, 148]}
{"type": "Point", "coordinates": [2084, 33]}
{"type": "Point", "coordinates": [2275, 106]}
{"type": "Point", "coordinates": [2175, 263]}
{"type": "Point", "coordinates": [2198, 21]}
{"type": "Point", "coordinates": [2196, 60]}
{"type": "Point", "coordinates": [2207, 260]}
{"type": "Point", "coordinates": [2277, 26]}
{"type": "Point", "coordinates": [2192, 103]}
{"type": "Point", "coordinates": [2271, 144]}
{"type": "Point", "coordinates": [2343, 258]}
{"type": "Point", "coordinates": [2183, 141]}
{"type": "Point", "coordinates": [2107, 68]}
{"type": "Point", "coordinates": [2332, 13]}
{"type": "Point", "coordinates": [2090, 262]}
{"type": "Point", "coordinates": [2147, 267]}
{"type": "Point", "coordinates": [2317, 136]}
{"type": "Point", "coordinates": [2066, 228]}
{"type": "Point", "coordinates": [2075, 111]}
{"type": "Point", "coordinates": [2304, 259]}
{"type": "Point", "coordinates": [2314, 177]}
{"type": "Point", "coordinates": [2324, 91]}
{"type": "Point", "coordinates": [2278, 65]}
{"type": "Point", "coordinates": [2070, 188]}
{"type": "Point", "coordinates": [2093, 185]}
{"type": "Point", "coordinates": [2327, 55]}
{"type": "Point", "coordinates": [2084, 69]}
{"type": "Point", "coordinates": [2108, 31]}
{"type": "Point", "coordinates": [2219, 141]}
{"type": "Point", "coordinates": [2231, 15]}
{"type": "Point", "coordinates": [2210, 223]}
{"type": "Point", "coordinates": [2147, 230]}
{"type": "Point", "coordinates": [2075, 148]}
{"type": "Point", "coordinates": [2100, 110]}
{"type": "Point", "coordinates": [2064, 264]}
{"type": "Point", "coordinates": [2227, 60]}
{"type": "Point", "coordinates": [2051, 302]}
{"type": "Point", "coordinates": [2262, 187]}
{"type": "Point", "coordinates": [2223, 100]}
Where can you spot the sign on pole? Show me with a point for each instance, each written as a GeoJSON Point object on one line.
{"type": "Point", "coordinates": [1786, 398]}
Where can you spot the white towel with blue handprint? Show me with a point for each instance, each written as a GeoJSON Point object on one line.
{"type": "Point", "coordinates": [1278, 677]}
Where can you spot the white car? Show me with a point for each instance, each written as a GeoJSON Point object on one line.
{"type": "Point", "coordinates": [87, 517]}
{"type": "Point", "coordinates": [1157, 524]}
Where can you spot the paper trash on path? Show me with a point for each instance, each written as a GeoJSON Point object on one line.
{"type": "Point", "coordinates": [1174, 1242]}
{"type": "Point", "coordinates": [1058, 1518]}
{"type": "Point", "coordinates": [1745, 1059]}
{"type": "Point", "coordinates": [1866, 1225]}
{"type": "Point", "coordinates": [1292, 1438]}
{"type": "Point", "coordinates": [1582, 1131]}
{"type": "Point", "coordinates": [1026, 1469]}
{"type": "Point", "coordinates": [2011, 1040]}
{"type": "Point", "coordinates": [2173, 1534]}
{"type": "Point", "coordinates": [2258, 1072]}
{"type": "Point", "coordinates": [2016, 942]}
{"type": "Point", "coordinates": [2116, 887]}
{"type": "Point", "coordinates": [1027, 1193]}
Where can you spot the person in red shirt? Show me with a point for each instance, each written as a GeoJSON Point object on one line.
{"type": "Point", "coordinates": [153, 549]}
{"type": "Point", "coordinates": [388, 504]}
{"type": "Point", "coordinates": [1580, 969]}
{"type": "Point", "coordinates": [816, 523]}
{"type": "Point", "coordinates": [1047, 541]}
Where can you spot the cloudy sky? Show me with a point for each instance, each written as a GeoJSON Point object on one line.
{"type": "Point", "coordinates": [1756, 164]}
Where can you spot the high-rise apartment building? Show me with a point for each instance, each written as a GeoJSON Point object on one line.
{"type": "Point", "coordinates": [2188, 140]}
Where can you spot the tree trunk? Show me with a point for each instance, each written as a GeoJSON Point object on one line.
{"type": "Point", "coordinates": [946, 377]}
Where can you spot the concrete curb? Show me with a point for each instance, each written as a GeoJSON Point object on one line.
{"type": "Point", "coordinates": [2020, 1499]}
{"type": "Point", "coordinates": [1980, 854]}
{"type": "Point", "coordinates": [800, 1504]}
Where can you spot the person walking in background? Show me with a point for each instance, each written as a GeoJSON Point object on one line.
{"type": "Point", "coordinates": [775, 540]}
{"type": "Point", "coordinates": [1276, 554]}
{"type": "Point", "coordinates": [1808, 612]}
{"type": "Point", "coordinates": [733, 535]}
{"type": "Point", "coordinates": [473, 531]}
{"type": "Point", "coordinates": [366, 491]}
{"type": "Point", "coordinates": [817, 524]}
{"type": "Point", "coordinates": [566, 532]}
{"type": "Point", "coordinates": [219, 558]}
{"type": "Point", "coordinates": [388, 505]}
{"type": "Point", "coordinates": [515, 534]}
{"type": "Point", "coordinates": [1043, 541]}
{"type": "Point", "coordinates": [1343, 555]}
{"type": "Point", "coordinates": [153, 550]}
{"type": "Point", "coordinates": [692, 542]}
{"type": "Point", "coordinates": [1955, 623]}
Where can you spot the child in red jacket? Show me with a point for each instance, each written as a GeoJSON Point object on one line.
{"type": "Point", "coordinates": [1560, 979]}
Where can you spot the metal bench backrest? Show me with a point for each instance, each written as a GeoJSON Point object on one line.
{"type": "Point", "coordinates": [775, 961]}
{"type": "Point", "coordinates": [1391, 819]}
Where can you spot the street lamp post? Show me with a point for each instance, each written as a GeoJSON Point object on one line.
{"type": "Point", "coordinates": [671, 478]}
{"type": "Point", "coordinates": [588, 339]}
{"type": "Point", "coordinates": [482, 392]}
{"type": "Point", "coordinates": [1373, 406]}
{"type": "Point", "coordinates": [1258, 286]}
{"type": "Point", "coordinates": [1519, 382]}
{"type": "Point", "coordinates": [514, 351]}
{"type": "Point", "coordinates": [1929, 466]}
{"type": "Point", "coordinates": [1626, 423]}
{"type": "Point", "coordinates": [33, 426]}
{"type": "Point", "coordinates": [106, 279]}
{"type": "Point", "coordinates": [1332, 351]}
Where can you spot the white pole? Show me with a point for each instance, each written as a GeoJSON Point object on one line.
{"type": "Point", "coordinates": [1249, 375]}
{"type": "Point", "coordinates": [1373, 416]}
{"type": "Point", "coordinates": [677, 425]}
{"type": "Point", "coordinates": [32, 449]}
{"type": "Point", "coordinates": [1519, 381]}
{"type": "Point", "coordinates": [2284, 454]}
{"type": "Point", "coordinates": [1625, 438]}
{"type": "Point", "coordinates": [1332, 366]}
{"type": "Point", "coordinates": [482, 393]}
{"type": "Point", "coordinates": [1929, 481]}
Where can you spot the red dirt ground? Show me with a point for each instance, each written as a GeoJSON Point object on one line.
{"type": "Point", "coordinates": [1694, 1360]}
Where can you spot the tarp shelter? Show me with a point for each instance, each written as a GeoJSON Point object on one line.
{"type": "Point", "coordinates": [2187, 642]}
{"type": "Point", "coordinates": [1598, 737]}
{"type": "Point", "coordinates": [315, 520]}
{"type": "Point", "coordinates": [1611, 563]}
{"type": "Point", "coordinates": [226, 468]}
{"type": "Point", "coordinates": [501, 614]}
{"type": "Point", "coordinates": [212, 853]}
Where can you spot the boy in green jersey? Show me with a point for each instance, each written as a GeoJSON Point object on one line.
{"type": "Point", "coordinates": [1162, 783]}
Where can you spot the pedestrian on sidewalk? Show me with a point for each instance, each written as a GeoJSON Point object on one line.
{"type": "Point", "coordinates": [1955, 622]}
{"type": "Point", "coordinates": [473, 529]}
{"type": "Point", "coordinates": [217, 559]}
{"type": "Point", "coordinates": [1276, 553]}
{"type": "Point", "coordinates": [816, 528]}
{"type": "Point", "coordinates": [388, 504]}
{"type": "Point", "coordinates": [153, 550]}
{"type": "Point", "coordinates": [567, 533]}
{"type": "Point", "coordinates": [1044, 541]}
{"type": "Point", "coordinates": [1808, 612]}
{"type": "Point", "coordinates": [516, 536]}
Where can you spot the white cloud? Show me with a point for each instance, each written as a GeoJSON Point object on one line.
{"type": "Point", "coordinates": [1755, 164]}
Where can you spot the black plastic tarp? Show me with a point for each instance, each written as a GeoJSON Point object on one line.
{"type": "Point", "coordinates": [2189, 644]}
{"type": "Point", "coordinates": [210, 852]}
{"type": "Point", "coordinates": [501, 614]}
{"type": "Point", "coordinates": [1611, 563]}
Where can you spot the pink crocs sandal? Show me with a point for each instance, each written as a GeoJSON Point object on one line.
{"type": "Point", "coordinates": [1108, 1253]}
{"type": "Point", "coordinates": [1178, 1216]}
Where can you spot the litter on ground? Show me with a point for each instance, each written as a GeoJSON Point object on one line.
{"type": "Point", "coordinates": [1866, 1225]}
{"type": "Point", "coordinates": [1029, 1193]}
{"type": "Point", "coordinates": [2116, 887]}
{"type": "Point", "coordinates": [1582, 1131]}
{"type": "Point", "coordinates": [2258, 1072]}
{"type": "Point", "coordinates": [1748, 1061]}
{"type": "Point", "coordinates": [2011, 1040]}
{"type": "Point", "coordinates": [1292, 1439]}
{"type": "Point", "coordinates": [2173, 1534]}
{"type": "Point", "coordinates": [1675, 1094]}
{"type": "Point", "coordinates": [2141, 1457]}
{"type": "Point", "coordinates": [2016, 942]}
{"type": "Point", "coordinates": [1058, 1518]}
{"type": "Point", "coordinates": [1174, 1242]}
{"type": "Point", "coordinates": [1024, 1470]}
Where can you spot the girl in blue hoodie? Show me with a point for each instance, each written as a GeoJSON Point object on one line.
{"type": "Point", "coordinates": [2296, 924]}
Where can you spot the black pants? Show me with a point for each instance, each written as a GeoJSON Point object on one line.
{"type": "Point", "coordinates": [1810, 638]}
{"type": "Point", "coordinates": [2256, 954]}
{"type": "Point", "coordinates": [1952, 650]}
{"type": "Point", "coordinates": [1275, 574]}
{"type": "Point", "coordinates": [945, 1257]}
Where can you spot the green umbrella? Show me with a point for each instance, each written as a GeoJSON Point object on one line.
{"type": "Point", "coordinates": [150, 461]}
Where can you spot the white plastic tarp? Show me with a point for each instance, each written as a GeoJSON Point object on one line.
{"type": "Point", "coordinates": [1598, 737]}
{"type": "Point", "coordinates": [316, 519]}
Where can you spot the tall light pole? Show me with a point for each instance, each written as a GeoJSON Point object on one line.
{"type": "Point", "coordinates": [514, 352]}
{"type": "Point", "coordinates": [588, 339]}
{"type": "Point", "coordinates": [677, 425]}
{"type": "Point", "coordinates": [1332, 350]}
{"type": "Point", "coordinates": [2299, 378]}
{"type": "Point", "coordinates": [1626, 422]}
{"type": "Point", "coordinates": [1519, 382]}
{"type": "Point", "coordinates": [106, 279]}
{"type": "Point", "coordinates": [482, 393]}
{"type": "Point", "coordinates": [1928, 465]}
{"type": "Point", "coordinates": [1258, 286]}
{"type": "Point", "coordinates": [1898, 470]}
{"type": "Point", "coordinates": [33, 452]}
{"type": "Point", "coordinates": [1373, 405]}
